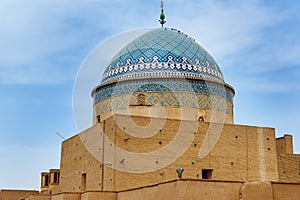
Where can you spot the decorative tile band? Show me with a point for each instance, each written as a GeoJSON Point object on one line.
{"type": "Point", "coordinates": [170, 99]}
{"type": "Point", "coordinates": [170, 69]}
{"type": "Point", "coordinates": [163, 85]}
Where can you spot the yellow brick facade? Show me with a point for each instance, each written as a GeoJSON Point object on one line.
{"type": "Point", "coordinates": [242, 153]}
{"type": "Point", "coordinates": [245, 162]}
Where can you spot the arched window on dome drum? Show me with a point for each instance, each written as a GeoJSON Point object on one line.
{"type": "Point", "coordinates": [98, 118]}
{"type": "Point", "coordinates": [141, 100]}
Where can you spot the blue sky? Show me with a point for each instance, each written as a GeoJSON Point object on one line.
{"type": "Point", "coordinates": [43, 44]}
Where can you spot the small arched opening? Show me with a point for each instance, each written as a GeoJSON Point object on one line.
{"type": "Point", "coordinates": [141, 100]}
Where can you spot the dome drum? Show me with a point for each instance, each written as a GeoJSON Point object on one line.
{"type": "Point", "coordinates": [163, 85]}
{"type": "Point", "coordinates": [196, 95]}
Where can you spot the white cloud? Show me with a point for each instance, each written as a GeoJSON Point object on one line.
{"type": "Point", "coordinates": [226, 28]}
{"type": "Point", "coordinates": [36, 35]}
{"type": "Point", "coordinates": [253, 41]}
{"type": "Point", "coordinates": [254, 35]}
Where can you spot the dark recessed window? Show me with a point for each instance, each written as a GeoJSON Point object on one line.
{"type": "Point", "coordinates": [47, 180]}
{"type": "Point", "coordinates": [83, 182]}
{"type": "Point", "coordinates": [207, 173]}
{"type": "Point", "coordinates": [56, 177]}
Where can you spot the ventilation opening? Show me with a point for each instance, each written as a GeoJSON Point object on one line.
{"type": "Point", "coordinates": [201, 119]}
{"type": "Point", "coordinates": [83, 182]}
{"type": "Point", "coordinates": [46, 180]}
{"type": "Point", "coordinates": [207, 173]}
{"type": "Point", "coordinates": [56, 177]}
{"type": "Point", "coordinates": [98, 118]}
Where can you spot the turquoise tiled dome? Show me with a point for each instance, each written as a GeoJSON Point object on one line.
{"type": "Point", "coordinates": [162, 53]}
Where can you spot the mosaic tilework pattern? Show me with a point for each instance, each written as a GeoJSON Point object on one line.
{"type": "Point", "coordinates": [163, 85]}
{"type": "Point", "coordinates": [162, 52]}
{"type": "Point", "coordinates": [209, 102]}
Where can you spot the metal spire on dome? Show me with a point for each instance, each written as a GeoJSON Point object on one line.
{"type": "Point", "coordinates": [162, 15]}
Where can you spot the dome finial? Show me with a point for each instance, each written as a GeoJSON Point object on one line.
{"type": "Point", "coordinates": [162, 15]}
